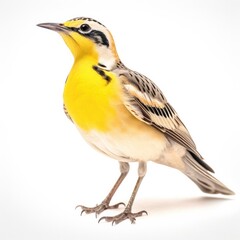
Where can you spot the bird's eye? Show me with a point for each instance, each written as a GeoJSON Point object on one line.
{"type": "Point", "coordinates": [85, 28]}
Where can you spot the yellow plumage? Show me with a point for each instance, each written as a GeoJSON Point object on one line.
{"type": "Point", "coordinates": [90, 100]}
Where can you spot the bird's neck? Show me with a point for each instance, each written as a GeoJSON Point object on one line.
{"type": "Point", "coordinates": [107, 57]}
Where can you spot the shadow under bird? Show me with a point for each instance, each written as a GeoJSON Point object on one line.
{"type": "Point", "coordinates": [123, 114]}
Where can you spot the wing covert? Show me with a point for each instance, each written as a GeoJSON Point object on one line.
{"type": "Point", "coordinates": [147, 103]}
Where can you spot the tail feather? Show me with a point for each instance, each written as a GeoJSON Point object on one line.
{"type": "Point", "coordinates": [204, 180]}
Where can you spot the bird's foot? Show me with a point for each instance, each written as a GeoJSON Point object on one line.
{"type": "Point", "coordinates": [126, 214]}
{"type": "Point", "coordinates": [99, 208]}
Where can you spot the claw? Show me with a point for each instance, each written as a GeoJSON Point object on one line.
{"type": "Point", "coordinates": [123, 216]}
{"type": "Point", "coordinates": [80, 206]}
{"type": "Point", "coordinates": [99, 208]}
{"type": "Point", "coordinates": [100, 219]}
{"type": "Point", "coordinates": [115, 206]}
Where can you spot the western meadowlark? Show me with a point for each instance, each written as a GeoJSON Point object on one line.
{"type": "Point", "coordinates": [124, 114]}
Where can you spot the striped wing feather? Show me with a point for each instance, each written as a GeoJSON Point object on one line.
{"type": "Point", "coordinates": [147, 103]}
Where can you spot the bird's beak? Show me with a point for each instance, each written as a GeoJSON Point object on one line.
{"type": "Point", "coordinates": [58, 27]}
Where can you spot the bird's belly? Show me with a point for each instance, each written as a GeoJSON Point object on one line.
{"type": "Point", "coordinates": [138, 145]}
{"type": "Point", "coordinates": [130, 140]}
{"type": "Point", "coordinates": [132, 145]}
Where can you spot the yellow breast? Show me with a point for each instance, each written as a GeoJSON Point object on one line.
{"type": "Point", "coordinates": [90, 100]}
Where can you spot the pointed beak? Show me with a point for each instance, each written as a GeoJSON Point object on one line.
{"type": "Point", "coordinates": [58, 27]}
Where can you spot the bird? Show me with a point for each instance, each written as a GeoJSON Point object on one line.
{"type": "Point", "coordinates": [124, 115]}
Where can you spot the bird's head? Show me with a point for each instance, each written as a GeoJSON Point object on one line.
{"type": "Point", "coordinates": [87, 37]}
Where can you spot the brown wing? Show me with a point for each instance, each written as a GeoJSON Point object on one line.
{"type": "Point", "coordinates": [147, 103]}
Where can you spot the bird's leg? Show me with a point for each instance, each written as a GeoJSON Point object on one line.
{"type": "Point", "coordinates": [127, 213]}
{"type": "Point", "coordinates": [124, 168]}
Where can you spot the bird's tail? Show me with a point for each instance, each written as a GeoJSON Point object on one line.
{"type": "Point", "coordinates": [204, 180]}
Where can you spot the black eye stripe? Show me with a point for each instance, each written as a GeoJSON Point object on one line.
{"type": "Point", "coordinates": [74, 29]}
{"type": "Point", "coordinates": [98, 36]}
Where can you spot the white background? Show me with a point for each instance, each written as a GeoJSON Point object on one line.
{"type": "Point", "coordinates": [191, 49]}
